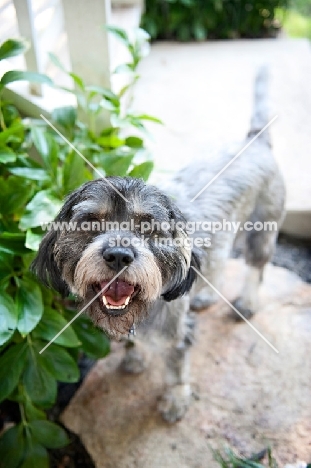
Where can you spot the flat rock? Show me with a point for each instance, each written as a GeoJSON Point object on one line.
{"type": "Point", "coordinates": [246, 394]}
{"type": "Point", "coordinates": [203, 92]}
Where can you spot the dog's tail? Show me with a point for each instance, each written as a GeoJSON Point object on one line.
{"type": "Point", "coordinates": [260, 116]}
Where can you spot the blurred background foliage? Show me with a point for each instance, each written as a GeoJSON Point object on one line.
{"type": "Point", "coordinates": [296, 19]}
{"type": "Point", "coordinates": [187, 20]}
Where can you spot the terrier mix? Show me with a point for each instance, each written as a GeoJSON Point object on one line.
{"type": "Point", "coordinates": [160, 260]}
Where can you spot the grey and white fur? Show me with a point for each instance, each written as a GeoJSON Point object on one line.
{"type": "Point", "coordinates": [160, 277]}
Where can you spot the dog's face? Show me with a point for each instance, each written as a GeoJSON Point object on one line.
{"type": "Point", "coordinates": [85, 257]}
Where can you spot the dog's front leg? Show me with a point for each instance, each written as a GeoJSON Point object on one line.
{"type": "Point", "coordinates": [134, 361]}
{"type": "Point", "coordinates": [175, 401]}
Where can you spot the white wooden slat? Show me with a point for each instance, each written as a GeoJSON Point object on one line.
{"type": "Point", "coordinates": [49, 23]}
{"type": "Point", "coordinates": [26, 25]}
{"type": "Point", "coordinates": [87, 40]}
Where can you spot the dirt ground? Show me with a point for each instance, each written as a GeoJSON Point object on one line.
{"type": "Point", "coordinates": [245, 394]}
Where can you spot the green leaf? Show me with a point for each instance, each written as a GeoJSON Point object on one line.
{"type": "Point", "coordinates": [15, 129]}
{"type": "Point", "coordinates": [12, 363]}
{"type": "Point", "coordinates": [74, 172]}
{"type": "Point", "coordinates": [77, 80]}
{"type": "Point", "coordinates": [14, 194]}
{"type": "Point", "coordinates": [36, 457]}
{"type": "Point", "coordinates": [46, 146]}
{"type": "Point", "coordinates": [65, 116]}
{"type": "Point", "coordinates": [49, 434]}
{"type": "Point", "coordinates": [7, 155]}
{"type": "Point", "coordinates": [13, 243]}
{"type": "Point", "coordinates": [16, 75]}
{"type": "Point", "coordinates": [134, 142]}
{"type": "Point", "coordinates": [116, 164]}
{"type": "Point", "coordinates": [29, 173]}
{"type": "Point", "coordinates": [142, 171]}
{"type": "Point", "coordinates": [6, 265]}
{"type": "Point", "coordinates": [10, 114]}
{"type": "Point", "coordinates": [39, 383]}
{"type": "Point", "coordinates": [110, 141]}
{"type": "Point", "coordinates": [105, 104]}
{"type": "Point", "coordinates": [119, 33]}
{"type": "Point", "coordinates": [52, 323]}
{"type": "Point", "coordinates": [106, 93]}
{"type": "Point", "coordinates": [33, 240]}
{"type": "Point", "coordinates": [57, 62]}
{"type": "Point", "coordinates": [94, 342]}
{"type": "Point", "coordinates": [12, 447]}
{"type": "Point", "coordinates": [124, 68]}
{"type": "Point", "coordinates": [41, 210]}
{"type": "Point", "coordinates": [29, 305]}
{"type": "Point", "coordinates": [31, 411]}
{"type": "Point", "coordinates": [8, 314]}
{"type": "Point", "coordinates": [13, 47]}
{"type": "Point", "coordinates": [149, 117]}
{"type": "Point", "coordinates": [58, 362]}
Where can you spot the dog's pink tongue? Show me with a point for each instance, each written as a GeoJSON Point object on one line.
{"type": "Point", "coordinates": [117, 292]}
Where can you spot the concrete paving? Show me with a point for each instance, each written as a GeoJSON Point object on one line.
{"type": "Point", "coordinates": [203, 93]}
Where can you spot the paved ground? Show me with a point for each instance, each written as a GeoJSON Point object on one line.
{"type": "Point", "coordinates": [246, 394]}
{"type": "Point", "coordinates": [203, 93]}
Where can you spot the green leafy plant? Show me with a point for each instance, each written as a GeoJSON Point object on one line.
{"type": "Point", "coordinates": [117, 148]}
{"type": "Point", "coordinates": [198, 20]}
{"type": "Point", "coordinates": [37, 169]}
{"type": "Point", "coordinates": [229, 459]}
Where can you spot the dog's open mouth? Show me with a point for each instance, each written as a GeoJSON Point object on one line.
{"type": "Point", "coordinates": [117, 296]}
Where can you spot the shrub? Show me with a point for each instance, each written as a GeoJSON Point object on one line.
{"type": "Point", "coordinates": [37, 169]}
{"type": "Point", "coordinates": [198, 20]}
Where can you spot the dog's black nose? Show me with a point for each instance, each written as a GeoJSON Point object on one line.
{"type": "Point", "coordinates": [118, 257]}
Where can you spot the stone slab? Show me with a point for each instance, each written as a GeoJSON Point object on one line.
{"type": "Point", "coordinates": [247, 395]}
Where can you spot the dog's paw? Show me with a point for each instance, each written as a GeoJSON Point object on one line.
{"type": "Point", "coordinates": [244, 309]}
{"type": "Point", "coordinates": [134, 361]}
{"type": "Point", "coordinates": [174, 403]}
{"type": "Point", "coordinates": [201, 301]}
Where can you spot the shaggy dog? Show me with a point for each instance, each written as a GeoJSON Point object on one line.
{"type": "Point", "coordinates": [125, 249]}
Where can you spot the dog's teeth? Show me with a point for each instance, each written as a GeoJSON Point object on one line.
{"type": "Point", "coordinates": [115, 307]}
{"type": "Point", "coordinates": [109, 306]}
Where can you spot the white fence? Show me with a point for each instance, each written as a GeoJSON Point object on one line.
{"type": "Point", "coordinates": [71, 29]}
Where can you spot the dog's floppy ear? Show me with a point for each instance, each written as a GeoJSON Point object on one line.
{"type": "Point", "coordinates": [45, 267]}
{"type": "Point", "coordinates": [184, 286]}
